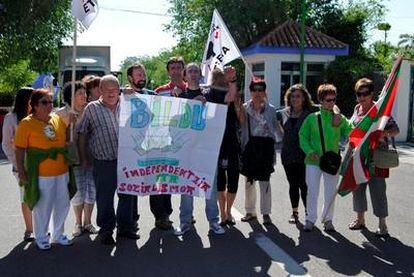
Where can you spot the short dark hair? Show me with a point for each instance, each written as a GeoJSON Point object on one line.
{"type": "Point", "coordinates": [91, 82]}
{"type": "Point", "coordinates": [67, 91]}
{"type": "Point", "coordinates": [21, 103]}
{"type": "Point", "coordinates": [37, 94]}
{"type": "Point", "coordinates": [257, 82]}
{"type": "Point", "coordinates": [172, 60]}
{"type": "Point", "coordinates": [135, 66]}
{"type": "Point", "coordinates": [324, 90]}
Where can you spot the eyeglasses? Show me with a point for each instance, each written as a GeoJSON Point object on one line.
{"type": "Point", "coordinates": [330, 100]}
{"type": "Point", "coordinates": [363, 93]}
{"type": "Point", "coordinates": [46, 102]}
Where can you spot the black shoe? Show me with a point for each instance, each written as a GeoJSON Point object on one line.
{"type": "Point", "coordinates": [107, 239]}
{"type": "Point", "coordinates": [231, 221]}
{"type": "Point", "coordinates": [28, 236]}
{"type": "Point", "coordinates": [128, 235]}
{"type": "Point", "coordinates": [193, 221]}
{"type": "Point", "coordinates": [163, 224]}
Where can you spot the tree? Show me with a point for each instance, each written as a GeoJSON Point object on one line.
{"type": "Point", "coordinates": [12, 79]}
{"type": "Point", "coordinates": [32, 30]}
{"type": "Point", "coordinates": [155, 66]}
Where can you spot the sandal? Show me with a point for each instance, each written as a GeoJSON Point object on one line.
{"type": "Point", "coordinates": [356, 225]}
{"type": "Point", "coordinates": [294, 218]}
{"type": "Point", "coordinates": [248, 217]}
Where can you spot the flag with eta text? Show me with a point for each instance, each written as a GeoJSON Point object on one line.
{"type": "Point", "coordinates": [358, 167]}
{"type": "Point", "coordinates": [85, 11]}
{"type": "Point", "coordinates": [220, 47]}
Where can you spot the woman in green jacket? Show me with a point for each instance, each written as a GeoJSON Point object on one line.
{"type": "Point", "coordinates": [310, 142]}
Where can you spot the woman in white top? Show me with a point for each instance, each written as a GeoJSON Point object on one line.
{"type": "Point", "coordinates": [11, 120]}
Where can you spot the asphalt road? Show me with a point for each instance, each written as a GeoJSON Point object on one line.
{"type": "Point", "coordinates": [281, 249]}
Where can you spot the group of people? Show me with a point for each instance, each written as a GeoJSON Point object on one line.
{"type": "Point", "coordinates": [69, 155]}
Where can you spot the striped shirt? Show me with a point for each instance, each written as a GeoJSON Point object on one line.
{"type": "Point", "coordinates": [102, 127]}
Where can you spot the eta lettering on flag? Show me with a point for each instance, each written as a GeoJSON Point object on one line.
{"type": "Point", "coordinates": [220, 47]}
{"type": "Point", "coordinates": [358, 167]}
{"type": "Point", "coordinates": [85, 11]}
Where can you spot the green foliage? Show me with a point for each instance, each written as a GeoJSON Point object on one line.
{"type": "Point", "coordinates": [247, 21]}
{"type": "Point", "coordinates": [344, 72]}
{"type": "Point", "coordinates": [155, 68]}
{"type": "Point", "coordinates": [406, 46]}
{"type": "Point", "coordinates": [33, 30]}
{"type": "Point", "coordinates": [12, 79]}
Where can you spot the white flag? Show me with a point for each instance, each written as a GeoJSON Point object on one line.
{"type": "Point", "coordinates": [220, 48]}
{"type": "Point", "coordinates": [85, 11]}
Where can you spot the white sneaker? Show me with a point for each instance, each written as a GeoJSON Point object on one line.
{"type": "Point", "coordinates": [216, 228]}
{"type": "Point", "coordinates": [43, 244]}
{"type": "Point", "coordinates": [63, 240]}
{"type": "Point", "coordinates": [184, 228]}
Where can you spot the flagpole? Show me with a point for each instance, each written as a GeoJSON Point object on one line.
{"type": "Point", "coordinates": [72, 104]}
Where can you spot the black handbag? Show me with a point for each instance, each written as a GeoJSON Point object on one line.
{"type": "Point", "coordinates": [329, 161]}
{"type": "Point", "coordinates": [257, 157]}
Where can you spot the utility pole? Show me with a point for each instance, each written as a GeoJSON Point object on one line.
{"type": "Point", "coordinates": [302, 41]}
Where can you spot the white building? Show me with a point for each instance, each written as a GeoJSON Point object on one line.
{"type": "Point", "coordinates": [276, 58]}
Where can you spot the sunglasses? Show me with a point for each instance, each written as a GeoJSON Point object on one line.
{"type": "Point", "coordinates": [363, 93]}
{"type": "Point", "coordinates": [46, 102]}
{"type": "Point", "coordinates": [330, 100]}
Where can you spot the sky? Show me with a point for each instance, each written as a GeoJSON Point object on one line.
{"type": "Point", "coordinates": [137, 34]}
{"type": "Point", "coordinates": [128, 33]}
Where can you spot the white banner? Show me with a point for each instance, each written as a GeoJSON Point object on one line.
{"type": "Point", "coordinates": [220, 47]}
{"type": "Point", "coordinates": [168, 145]}
{"type": "Point", "coordinates": [85, 11]}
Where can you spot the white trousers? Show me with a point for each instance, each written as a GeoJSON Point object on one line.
{"type": "Point", "coordinates": [54, 197]}
{"type": "Point", "coordinates": [313, 180]}
{"type": "Point", "coordinates": [265, 197]}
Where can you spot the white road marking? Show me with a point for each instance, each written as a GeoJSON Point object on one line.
{"type": "Point", "coordinates": [277, 254]}
{"type": "Point", "coordinates": [280, 257]}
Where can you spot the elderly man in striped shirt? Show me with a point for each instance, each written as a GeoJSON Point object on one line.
{"type": "Point", "coordinates": [98, 130]}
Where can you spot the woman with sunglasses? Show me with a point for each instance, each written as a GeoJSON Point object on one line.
{"type": "Point", "coordinates": [311, 143]}
{"type": "Point", "coordinates": [11, 120]}
{"type": "Point", "coordinates": [364, 89]}
{"type": "Point", "coordinates": [41, 160]}
{"type": "Point", "coordinates": [260, 131]}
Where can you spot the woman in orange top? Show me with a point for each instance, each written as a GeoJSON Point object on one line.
{"type": "Point", "coordinates": [41, 139]}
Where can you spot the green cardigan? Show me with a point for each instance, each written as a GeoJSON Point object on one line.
{"type": "Point", "coordinates": [34, 156]}
{"type": "Point", "coordinates": [309, 137]}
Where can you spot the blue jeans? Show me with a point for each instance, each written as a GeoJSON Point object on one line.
{"type": "Point", "coordinates": [212, 211]}
{"type": "Point", "coordinates": [105, 177]}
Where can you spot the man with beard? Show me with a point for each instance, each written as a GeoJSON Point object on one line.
{"type": "Point", "coordinates": [137, 79]}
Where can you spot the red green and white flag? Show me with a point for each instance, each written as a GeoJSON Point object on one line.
{"type": "Point", "coordinates": [357, 167]}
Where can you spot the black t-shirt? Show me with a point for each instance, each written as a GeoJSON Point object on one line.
{"type": "Point", "coordinates": [230, 146]}
{"type": "Point", "coordinates": [190, 93]}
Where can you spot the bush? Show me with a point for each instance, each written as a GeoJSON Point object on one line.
{"type": "Point", "coordinates": [6, 99]}
{"type": "Point", "coordinates": [344, 72]}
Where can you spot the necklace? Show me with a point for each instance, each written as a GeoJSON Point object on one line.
{"type": "Point", "coordinates": [49, 131]}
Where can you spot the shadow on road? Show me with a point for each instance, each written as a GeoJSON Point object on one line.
{"type": "Point", "coordinates": [163, 254]}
